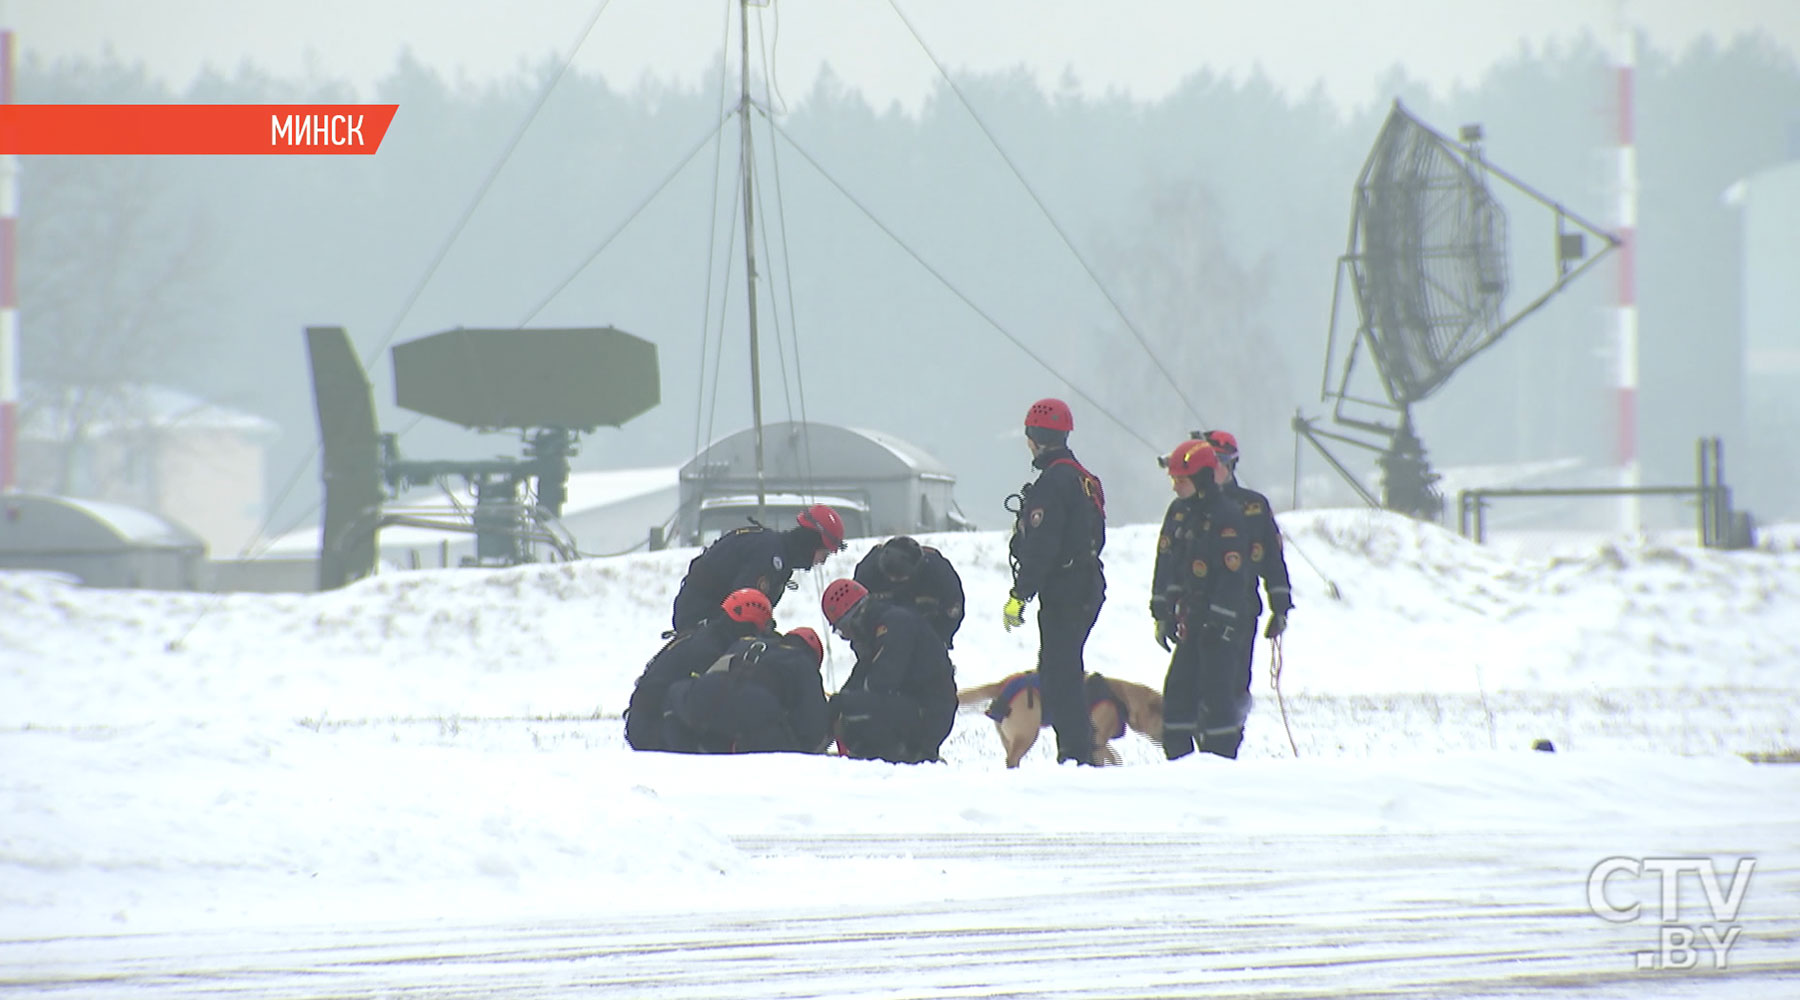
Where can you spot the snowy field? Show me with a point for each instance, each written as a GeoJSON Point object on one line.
{"type": "Point", "coordinates": [418, 786]}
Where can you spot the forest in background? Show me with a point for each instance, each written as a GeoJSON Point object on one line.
{"type": "Point", "coordinates": [1214, 217]}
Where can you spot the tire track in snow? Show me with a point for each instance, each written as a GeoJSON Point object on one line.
{"type": "Point", "coordinates": [1084, 916]}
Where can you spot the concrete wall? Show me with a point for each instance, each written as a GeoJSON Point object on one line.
{"type": "Point", "coordinates": [125, 569]}
{"type": "Point", "coordinates": [1765, 472]}
{"type": "Point", "coordinates": [211, 482]}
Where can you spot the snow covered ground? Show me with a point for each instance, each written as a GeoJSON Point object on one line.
{"type": "Point", "coordinates": [417, 786]}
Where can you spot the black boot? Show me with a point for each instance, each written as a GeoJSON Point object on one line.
{"type": "Point", "coordinates": [1178, 739]}
{"type": "Point", "coordinates": [1222, 742]}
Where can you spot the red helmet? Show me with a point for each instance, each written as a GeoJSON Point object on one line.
{"type": "Point", "coordinates": [1223, 441]}
{"type": "Point", "coordinates": [750, 606]}
{"type": "Point", "coordinates": [841, 598]}
{"type": "Point", "coordinates": [1051, 415]}
{"type": "Point", "coordinates": [826, 522]}
{"type": "Point", "coordinates": [1189, 457]}
{"type": "Point", "coordinates": [811, 639]}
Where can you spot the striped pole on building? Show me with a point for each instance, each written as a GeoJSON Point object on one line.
{"type": "Point", "coordinates": [1626, 349]}
{"type": "Point", "coordinates": [9, 288]}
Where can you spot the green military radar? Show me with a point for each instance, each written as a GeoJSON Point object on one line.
{"type": "Point", "coordinates": [1428, 268]}
{"type": "Point", "coordinates": [550, 386]}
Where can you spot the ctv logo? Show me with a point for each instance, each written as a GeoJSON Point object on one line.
{"type": "Point", "coordinates": [1679, 945]}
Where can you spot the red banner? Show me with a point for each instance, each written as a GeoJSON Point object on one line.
{"type": "Point", "coordinates": [194, 129]}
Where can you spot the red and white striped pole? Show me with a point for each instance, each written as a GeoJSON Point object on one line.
{"type": "Point", "coordinates": [1626, 348]}
{"type": "Point", "coordinates": [9, 288]}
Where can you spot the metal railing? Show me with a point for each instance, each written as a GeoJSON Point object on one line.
{"type": "Point", "coordinates": [1719, 527]}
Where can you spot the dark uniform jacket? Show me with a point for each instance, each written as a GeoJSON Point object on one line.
{"type": "Point", "coordinates": [787, 670]}
{"type": "Point", "coordinates": [934, 590]}
{"type": "Point", "coordinates": [687, 655]}
{"type": "Point", "coordinates": [1062, 524]}
{"type": "Point", "coordinates": [897, 652]}
{"type": "Point", "coordinates": [751, 556]}
{"type": "Point", "coordinates": [1203, 573]}
{"type": "Point", "coordinates": [1267, 561]}
{"type": "Point", "coordinates": [716, 702]}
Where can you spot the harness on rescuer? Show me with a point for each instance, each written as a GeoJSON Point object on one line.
{"type": "Point", "coordinates": [1048, 423]}
{"type": "Point", "coordinates": [1090, 484]}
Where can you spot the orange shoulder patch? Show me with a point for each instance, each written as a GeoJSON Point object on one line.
{"type": "Point", "coordinates": [1233, 561]}
{"type": "Point", "coordinates": [1199, 567]}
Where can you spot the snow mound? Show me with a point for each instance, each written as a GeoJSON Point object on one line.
{"type": "Point", "coordinates": [1384, 604]}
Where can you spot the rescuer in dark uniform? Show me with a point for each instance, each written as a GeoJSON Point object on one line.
{"type": "Point", "coordinates": [899, 702]}
{"type": "Point", "coordinates": [755, 556]}
{"type": "Point", "coordinates": [1055, 550]}
{"type": "Point", "coordinates": [1200, 595]}
{"type": "Point", "coordinates": [764, 696]}
{"type": "Point", "coordinates": [745, 612]}
{"type": "Point", "coordinates": [1268, 562]}
{"type": "Point", "coordinates": [901, 571]}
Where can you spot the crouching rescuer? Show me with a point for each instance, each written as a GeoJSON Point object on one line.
{"type": "Point", "coordinates": [1200, 603]}
{"type": "Point", "coordinates": [763, 695]}
{"type": "Point", "coordinates": [900, 699]}
{"type": "Point", "coordinates": [744, 613]}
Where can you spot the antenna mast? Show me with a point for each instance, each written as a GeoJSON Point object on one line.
{"type": "Point", "coordinates": [750, 250]}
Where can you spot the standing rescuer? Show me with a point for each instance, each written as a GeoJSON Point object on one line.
{"type": "Point", "coordinates": [1055, 549]}
{"type": "Point", "coordinates": [1267, 561]}
{"type": "Point", "coordinates": [1200, 594]}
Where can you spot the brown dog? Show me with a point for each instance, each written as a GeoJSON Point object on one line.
{"type": "Point", "coordinates": [1018, 712]}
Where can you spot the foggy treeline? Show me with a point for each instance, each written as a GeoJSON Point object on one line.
{"type": "Point", "coordinates": [1214, 217]}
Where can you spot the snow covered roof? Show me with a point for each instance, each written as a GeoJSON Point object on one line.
{"type": "Point", "coordinates": [32, 522]}
{"type": "Point", "coordinates": [794, 451]}
{"type": "Point", "coordinates": [783, 500]}
{"type": "Point", "coordinates": [134, 408]}
{"type": "Point", "coordinates": [913, 455]}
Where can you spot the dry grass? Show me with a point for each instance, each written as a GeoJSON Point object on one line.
{"type": "Point", "coordinates": [1788, 756]}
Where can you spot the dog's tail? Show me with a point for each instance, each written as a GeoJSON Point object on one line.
{"type": "Point", "coordinates": [986, 692]}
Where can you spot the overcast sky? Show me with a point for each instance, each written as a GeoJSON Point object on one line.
{"type": "Point", "coordinates": [1142, 46]}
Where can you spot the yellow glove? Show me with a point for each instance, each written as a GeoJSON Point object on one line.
{"type": "Point", "coordinates": [1014, 615]}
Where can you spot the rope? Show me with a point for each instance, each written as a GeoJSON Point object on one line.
{"type": "Point", "coordinates": [1105, 292]}
{"type": "Point", "coordinates": [1486, 709]}
{"type": "Point", "coordinates": [958, 292]}
{"type": "Point", "coordinates": [412, 299]}
{"type": "Point", "coordinates": [787, 272]}
{"type": "Point", "coordinates": [642, 204]}
{"type": "Point", "coordinates": [718, 360]}
{"type": "Point", "coordinates": [787, 388]}
{"type": "Point", "coordinates": [1275, 664]}
{"type": "Point", "coordinates": [1331, 587]}
{"type": "Point", "coordinates": [712, 244]}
